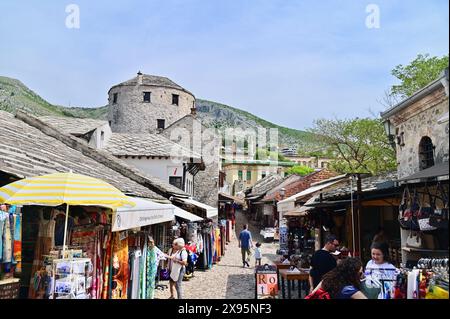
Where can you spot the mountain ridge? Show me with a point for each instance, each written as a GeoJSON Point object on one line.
{"type": "Point", "coordinates": [15, 95]}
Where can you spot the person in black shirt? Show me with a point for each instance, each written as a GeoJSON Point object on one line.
{"type": "Point", "coordinates": [322, 261]}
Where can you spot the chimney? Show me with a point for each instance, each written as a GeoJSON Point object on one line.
{"type": "Point", "coordinates": [139, 78]}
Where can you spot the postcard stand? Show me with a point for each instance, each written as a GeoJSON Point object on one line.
{"type": "Point", "coordinates": [72, 278]}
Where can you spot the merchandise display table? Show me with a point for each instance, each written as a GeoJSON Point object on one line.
{"type": "Point", "coordinates": [290, 276]}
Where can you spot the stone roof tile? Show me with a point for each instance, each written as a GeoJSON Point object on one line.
{"type": "Point", "coordinates": [26, 151]}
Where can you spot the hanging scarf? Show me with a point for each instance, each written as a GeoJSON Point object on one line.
{"type": "Point", "coordinates": [120, 268]}
{"type": "Point", "coordinates": [18, 243]}
{"type": "Point", "coordinates": [143, 276]}
{"type": "Point", "coordinates": [107, 260]}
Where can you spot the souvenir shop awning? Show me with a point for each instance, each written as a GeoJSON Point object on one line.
{"type": "Point", "coordinates": [186, 215]}
{"type": "Point", "coordinates": [145, 213]}
{"type": "Point", "coordinates": [228, 198]}
{"type": "Point", "coordinates": [289, 203]}
{"type": "Point", "coordinates": [302, 210]}
{"type": "Point", "coordinates": [438, 172]}
{"type": "Point", "coordinates": [210, 211]}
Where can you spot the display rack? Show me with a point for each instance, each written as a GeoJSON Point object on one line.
{"type": "Point", "coordinates": [72, 278]}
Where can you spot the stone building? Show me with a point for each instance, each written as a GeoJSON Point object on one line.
{"type": "Point", "coordinates": [244, 174]}
{"type": "Point", "coordinates": [419, 128]}
{"type": "Point", "coordinates": [146, 104]}
{"type": "Point", "coordinates": [310, 161]}
{"type": "Point", "coordinates": [191, 134]}
{"type": "Point", "coordinates": [155, 105]}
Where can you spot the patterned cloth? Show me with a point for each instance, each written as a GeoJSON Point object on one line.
{"type": "Point", "coordinates": [17, 246]}
{"type": "Point", "coordinates": [120, 271]}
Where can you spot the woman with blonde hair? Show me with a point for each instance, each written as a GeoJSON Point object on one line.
{"type": "Point", "coordinates": [177, 266]}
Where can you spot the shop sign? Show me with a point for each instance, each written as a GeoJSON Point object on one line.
{"type": "Point", "coordinates": [135, 219]}
{"type": "Point", "coordinates": [266, 281]}
{"type": "Point", "coordinates": [283, 237]}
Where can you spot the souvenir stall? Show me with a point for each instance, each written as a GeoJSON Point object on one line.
{"type": "Point", "coordinates": [424, 220]}
{"type": "Point", "coordinates": [429, 280]}
{"type": "Point", "coordinates": [208, 239]}
{"type": "Point", "coordinates": [67, 237]}
{"type": "Point", "coordinates": [228, 206]}
{"type": "Point", "coordinates": [300, 236]}
{"type": "Point", "coordinates": [423, 271]}
{"type": "Point", "coordinates": [48, 267]}
{"type": "Point", "coordinates": [140, 238]}
{"type": "Point", "coordinates": [10, 251]}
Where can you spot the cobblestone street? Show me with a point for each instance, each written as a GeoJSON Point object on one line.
{"type": "Point", "coordinates": [227, 279]}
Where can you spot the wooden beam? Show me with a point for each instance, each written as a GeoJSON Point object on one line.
{"type": "Point", "coordinates": [382, 202]}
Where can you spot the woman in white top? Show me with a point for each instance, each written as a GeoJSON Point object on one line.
{"type": "Point", "coordinates": [178, 261]}
{"type": "Point", "coordinates": [379, 271]}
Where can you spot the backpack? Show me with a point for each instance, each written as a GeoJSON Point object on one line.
{"type": "Point", "coordinates": [319, 294]}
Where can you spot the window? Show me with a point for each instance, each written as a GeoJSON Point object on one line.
{"type": "Point", "coordinates": [175, 98]}
{"type": "Point", "coordinates": [263, 174]}
{"type": "Point", "coordinates": [426, 153]}
{"type": "Point", "coordinates": [240, 175]}
{"type": "Point", "coordinates": [109, 122]}
{"type": "Point", "coordinates": [147, 96]}
{"type": "Point", "coordinates": [249, 176]}
{"type": "Point", "coordinates": [176, 181]}
{"type": "Point", "coordinates": [115, 98]}
{"type": "Point", "coordinates": [102, 136]}
{"type": "Point", "coordinates": [161, 123]}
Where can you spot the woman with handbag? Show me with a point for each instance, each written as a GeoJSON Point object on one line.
{"type": "Point", "coordinates": [177, 267]}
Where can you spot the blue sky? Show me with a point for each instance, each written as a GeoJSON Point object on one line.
{"type": "Point", "coordinates": [289, 62]}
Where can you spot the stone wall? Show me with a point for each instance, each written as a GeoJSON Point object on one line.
{"type": "Point", "coordinates": [132, 115]}
{"type": "Point", "coordinates": [416, 121]}
{"type": "Point", "coordinates": [190, 133]}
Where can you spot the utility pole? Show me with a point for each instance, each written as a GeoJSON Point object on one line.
{"type": "Point", "coordinates": [358, 216]}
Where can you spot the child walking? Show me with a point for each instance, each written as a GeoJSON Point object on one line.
{"type": "Point", "coordinates": [258, 255]}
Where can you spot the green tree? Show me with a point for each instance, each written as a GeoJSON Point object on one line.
{"type": "Point", "coordinates": [299, 170]}
{"type": "Point", "coordinates": [360, 145]}
{"type": "Point", "coordinates": [416, 75]}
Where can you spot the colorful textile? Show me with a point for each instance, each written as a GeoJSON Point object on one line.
{"type": "Point", "coordinates": [7, 241]}
{"type": "Point", "coordinates": [120, 268]}
{"type": "Point", "coordinates": [106, 272]}
{"type": "Point", "coordinates": [17, 246]}
{"type": "Point", "coordinates": [143, 275]}
{"type": "Point", "coordinates": [152, 267]}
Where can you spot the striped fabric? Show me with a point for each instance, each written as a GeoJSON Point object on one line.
{"type": "Point", "coordinates": [63, 188]}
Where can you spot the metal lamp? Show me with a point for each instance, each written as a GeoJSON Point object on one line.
{"type": "Point", "coordinates": [389, 129]}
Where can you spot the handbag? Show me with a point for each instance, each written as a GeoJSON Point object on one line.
{"type": "Point", "coordinates": [414, 240]}
{"type": "Point", "coordinates": [164, 274]}
{"type": "Point", "coordinates": [440, 218]}
{"type": "Point", "coordinates": [425, 211]}
{"type": "Point", "coordinates": [408, 211]}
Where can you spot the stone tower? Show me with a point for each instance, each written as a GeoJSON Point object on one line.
{"type": "Point", "coordinates": [147, 103]}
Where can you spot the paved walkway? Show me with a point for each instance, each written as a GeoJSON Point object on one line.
{"type": "Point", "coordinates": [227, 279]}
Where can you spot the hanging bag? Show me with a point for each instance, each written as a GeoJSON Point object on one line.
{"type": "Point", "coordinates": [414, 240]}
{"type": "Point", "coordinates": [425, 211]}
{"type": "Point", "coordinates": [408, 211]}
{"type": "Point", "coordinates": [440, 218]}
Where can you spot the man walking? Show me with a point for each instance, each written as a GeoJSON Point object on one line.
{"type": "Point", "coordinates": [323, 261]}
{"type": "Point", "coordinates": [245, 243]}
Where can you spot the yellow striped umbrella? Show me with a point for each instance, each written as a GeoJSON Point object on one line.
{"type": "Point", "coordinates": [63, 188]}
